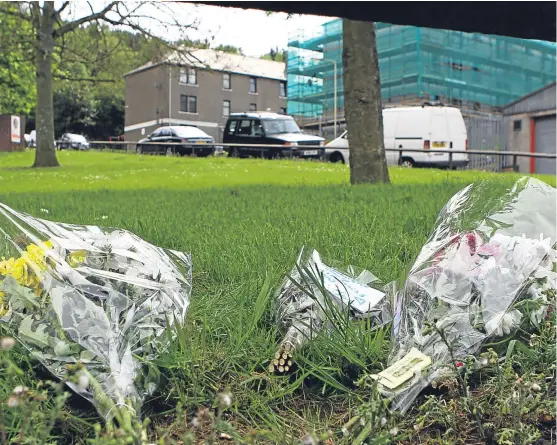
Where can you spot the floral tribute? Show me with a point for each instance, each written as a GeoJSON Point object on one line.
{"type": "Point", "coordinates": [486, 273]}
{"type": "Point", "coordinates": [96, 301]}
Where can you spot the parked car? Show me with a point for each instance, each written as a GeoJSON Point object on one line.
{"type": "Point", "coordinates": [31, 141]}
{"type": "Point", "coordinates": [269, 129]}
{"type": "Point", "coordinates": [423, 128]}
{"type": "Point", "coordinates": [193, 141]}
{"type": "Point", "coordinates": [73, 141]}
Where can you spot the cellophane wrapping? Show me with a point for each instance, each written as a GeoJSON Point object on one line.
{"type": "Point", "coordinates": [313, 288]}
{"type": "Point", "coordinates": [102, 298]}
{"type": "Point", "coordinates": [487, 269]}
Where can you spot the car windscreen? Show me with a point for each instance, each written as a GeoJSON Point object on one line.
{"type": "Point", "coordinates": [190, 132]}
{"type": "Point", "coordinates": [76, 138]}
{"type": "Point", "coordinates": [279, 126]}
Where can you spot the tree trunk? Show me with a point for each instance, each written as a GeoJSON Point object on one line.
{"type": "Point", "coordinates": [45, 154]}
{"type": "Point", "coordinates": [362, 103]}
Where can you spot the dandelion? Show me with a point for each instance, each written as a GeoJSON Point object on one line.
{"type": "Point", "coordinates": [18, 390]}
{"type": "Point", "coordinates": [6, 343]}
{"type": "Point", "coordinates": [309, 440]}
{"type": "Point", "coordinates": [393, 431]}
{"type": "Point", "coordinates": [534, 387]}
{"type": "Point", "coordinates": [383, 421]}
{"type": "Point", "coordinates": [484, 361]}
{"type": "Point", "coordinates": [224, 400]}
{"type": "Point", "coordinates": [13, 402]}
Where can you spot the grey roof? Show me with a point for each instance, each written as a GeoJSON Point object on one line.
{"type": "Point", "coordinates": [221, 61]}
{"type": "Point", "coordinates": [540, 100]}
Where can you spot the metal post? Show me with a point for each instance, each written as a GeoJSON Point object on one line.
{"type": "Point", "coordinates": [335, 97]}
{"type": "Point", "coordinates": [515, 163]}
{"type": "Point", "coordinates": [450, 159]}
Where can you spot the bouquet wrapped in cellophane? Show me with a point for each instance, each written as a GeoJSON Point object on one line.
{"type": "Point", "coordinates": [487, 269]}
{"type": "Point", "coordinates": [93, 300]}
{"type": "Point", "coordinates": [313, 293]}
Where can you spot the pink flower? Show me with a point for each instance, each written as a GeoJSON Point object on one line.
{"type": "Point", "coordinates": [488, 250]}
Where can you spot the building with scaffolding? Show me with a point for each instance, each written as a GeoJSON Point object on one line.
{"type": "Point", "coordinates": [476, 72]}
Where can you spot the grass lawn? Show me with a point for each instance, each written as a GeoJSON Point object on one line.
{"type": "Point", "coordinates": [244, 221]}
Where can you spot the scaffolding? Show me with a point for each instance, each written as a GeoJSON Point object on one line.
{"type": "Point", "coordinates": [470, 71]}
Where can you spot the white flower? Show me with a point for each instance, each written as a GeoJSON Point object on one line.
{"type": "Point", "coordinates": [44, 210]}
{"type": "Point", "coordinates": [104, 217]}
{"type": "Point", "coordinates": [383, 421]}
{"type": "Point", "coordinates": [83, 382]}
{"type": "Point", "coordinates": [7, 343]}
{"type": "Point", "coordinates": [393, 431]}
{"type": "Point", "coordinates": [18, 390]}
{"type": "Point", "coordinates": [538, 315]}
{"type": "Point", "coordinates": [503, 323]}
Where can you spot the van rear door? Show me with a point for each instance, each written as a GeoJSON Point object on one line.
{"type": "Point", "coordinates": [439, 134]}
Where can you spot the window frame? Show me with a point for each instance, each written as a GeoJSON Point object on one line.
{"type": "Point", "coordinates": [517, 125]}
{"type": "Point", "coordinates": [229, 77]}
{"type": "Point", "coordinates": [185, 73]}
{"type": "Point", "coordinates": [254, 79]}
{"type": "Point", "coordinates": [283, 111]}
{"type": "Point", "coordinates": [283, 89]}
{"type": "Point", "coordinates": [229, 102]}
{"type": "Point", "coordinates": [252, 107]}
{"type": "Point", "coordinates": [188, 108]}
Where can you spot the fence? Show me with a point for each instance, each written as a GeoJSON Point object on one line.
{"type": "Point", "coordinates": [265, 151]}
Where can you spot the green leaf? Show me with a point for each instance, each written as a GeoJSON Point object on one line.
{"type": "Point", "coordinates": [20, 297]}
{"type": "Point", "coordinates": [38, 337]}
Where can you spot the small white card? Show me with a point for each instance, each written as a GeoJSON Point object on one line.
{"type": "Point", "coordinates": [359, 296]}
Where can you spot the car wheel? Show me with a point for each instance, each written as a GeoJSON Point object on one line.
{"type": "Point", "coordinates": [336, 157]}
{"type": "Point", "coordinates": [139, 150]}
{"type": "Point", "coordinates": [407, 162]}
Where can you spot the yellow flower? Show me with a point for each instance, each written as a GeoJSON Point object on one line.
{"type": "Point", "coordinates": [36, 254]}
{"type": "Point", "coordinates": [6, 266]}
{"type": "Point", "coordinates": [77, 258]}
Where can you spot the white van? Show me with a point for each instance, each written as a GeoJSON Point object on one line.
{"type": "Point", "coordinates": [423, 128]}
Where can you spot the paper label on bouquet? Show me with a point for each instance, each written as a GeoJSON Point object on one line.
{"type": "Point", "coordinates": [347, 289]}
{"type": "Point", "coordinates": [400, 372]}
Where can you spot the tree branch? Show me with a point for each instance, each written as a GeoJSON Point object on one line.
{"type": "Point", "coordinates": [83, 79]}
{"type": "Point", "coordinates": [16, 13]}
{"type": "Point", "coordinates": [70, 26]}
{"type": "Point", "coordinates": [64, 6]}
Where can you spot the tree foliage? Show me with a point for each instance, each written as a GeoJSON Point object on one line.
{"type": "Point", "coordinates": [17, 75]}
{"type": "Point", "coordinates": [276, 55]}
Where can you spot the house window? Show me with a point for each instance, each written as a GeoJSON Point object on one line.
{"type": "Point", "coordinates": [188, 76]}
{"type": "Point", "coordinates": [252, 107]}
{"type": "Point", "coordinates": [283, 89]}
{"type": "Point", "coordinates": [192, 104]}
{"type": "Point", "coordinates": [283, 110]}
{"type": "Point", "coordinates": [253, 85]}
{"type": "Point", "coordinates": [226, 81]}
{"type": "Point", "coordinates": [517, 125]}
{"type": "Point", "coordinates": [226, 108]}
{"type": "Point", "coordinates": [188, 104]}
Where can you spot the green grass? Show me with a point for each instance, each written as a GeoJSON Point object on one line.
{"type": "Point", "coordinates": [244, 221]}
